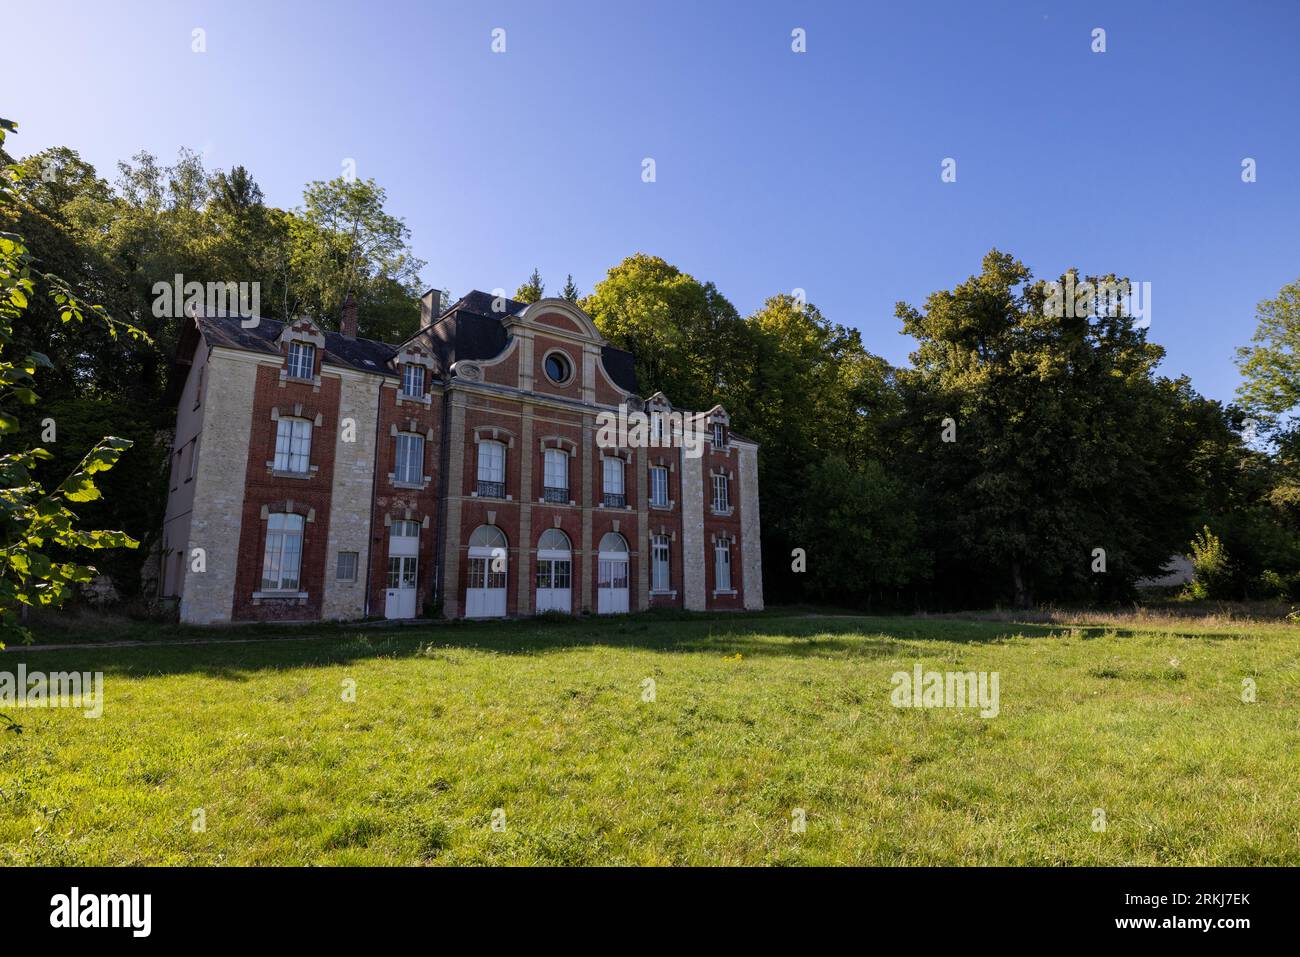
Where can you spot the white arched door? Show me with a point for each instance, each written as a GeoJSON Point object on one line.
{"type": "Point", "coordinates": [554, 572]}
{"type": "Point", "coordinates": [611, 575]}
{"type": "Point", "coordinates": [485, 583]}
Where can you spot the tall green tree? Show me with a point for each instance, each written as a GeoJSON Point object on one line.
{"type": "Point", "coordinates": [39, 532]}
{"type": "Point", "coordinates": [1038, 439]}
{"type": "Point", "coordinates": [343, 241]}
{"type": "Point", "coordinates": [1270, 366]}
{"type": "Point", "coordinates": [532, 290]}
{"type": "Point", "coordinates": [684, 334]}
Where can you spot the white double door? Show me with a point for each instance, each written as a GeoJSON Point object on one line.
{"type": "Point", "coordinates": [611, 584]}
{"type": "Point", "coordinates": [485, 587]}
{"type": "Point", "coordinates": [554, 580]}
{"type": "Point", "coordinates": [403, 570]}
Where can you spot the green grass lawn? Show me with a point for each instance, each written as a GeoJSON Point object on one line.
{"type": "Point", "coordinates": [753, 717]}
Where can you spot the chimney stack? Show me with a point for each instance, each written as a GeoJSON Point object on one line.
{"type": "Point", "coordinates": [430, 308]}
{"type": "Point", "coordinates": [348, 321]}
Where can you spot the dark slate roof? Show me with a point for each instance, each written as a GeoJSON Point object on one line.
{"type": "Point", "coordinates": [480, 303]}
{"type": "Point", "coordinates": [469, 329]}
{"type": "Point", "coordinates": [365, 355]}
{"type": "Point", "coordinates": [620, 366]}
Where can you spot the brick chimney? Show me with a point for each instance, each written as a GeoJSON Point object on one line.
{"type": "Point", "coordinates": [430, 307]}
{"type": "Point", "coordinates": [348, 321]}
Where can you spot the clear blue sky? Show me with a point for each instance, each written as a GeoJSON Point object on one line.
{"type": "Point", "coordinates": [775, 170]}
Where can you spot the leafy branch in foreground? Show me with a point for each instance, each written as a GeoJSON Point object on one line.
{"type": "Point", "coordinates": [32, 520]}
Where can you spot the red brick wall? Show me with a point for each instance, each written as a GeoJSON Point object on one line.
{"type": "Point", "coordinates": [393, 502]}
{"type": "Point", "coordinates": [670, 522]}
{"type": "Point", "coordinates": [714, 524]}
{"type": "Point", "coordinates": [263, 488]}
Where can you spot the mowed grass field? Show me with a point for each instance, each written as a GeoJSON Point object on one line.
{"type": "Point", "coordinates": [752, 718]}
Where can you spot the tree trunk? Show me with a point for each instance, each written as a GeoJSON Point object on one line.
{"type": "Point", "coordinates": [1021, 594]}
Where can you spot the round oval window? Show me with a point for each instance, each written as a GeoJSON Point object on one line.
{"type": "Point", "coordinates": [557, 367]}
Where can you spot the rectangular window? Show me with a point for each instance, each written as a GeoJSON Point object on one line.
{"type": "Point", "coordinates": [719, 435]}
{"type": "Point", "coordinates": [302, 360]}
{"type": "Point", "coordinates": [656, 428]}
{"type": "Point", "coordinates": [194, 459]}
{"type": "Point", "coordinates": [410, 458]}
{"type": "Point", "coordinates": [412, 380]}
{"type": "Point", "coordinates": [491, 470]}
{"type": "Point", "coordinates": [613, 476]}
{"type": "Point", "coordinates": [659, 565]}
{"type": "Point", "coordinates": [658, 485]}
{"type": "Point", "coordinates": [721, 494]}
{"type": "Point", "coordinates": [346, 570]}
{"type": "Point", "coordinates": [292, 445]}
{"type": "Point", "coordinates": [403, 529]}
{"type": "Point", "coordinates": [491, 462]}
{"type": "Point", "coordinates": [283, 552]}
{"type": "Point", "coordinates": [613, 496]}
{"type": "Point", "coordinates": [722, 566]}
{"type": "Point", "coordinates": [556, 475]}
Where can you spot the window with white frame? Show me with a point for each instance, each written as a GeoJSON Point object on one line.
{"type": "Point", "coordinates": [657, 428]}
{"type": "Point", "coordinates": [292, 445]}
{"type": "Point", "coordinates": [412, 380]}
{"type": "Point", "coordinates": [658, 485]}
{"type": "Point", "coordinates": [492, 469]}
{"type": "Point", "coordinates": [721, 494]}
{"type": "Point", "coordinates": [491, 462]}
{"type": "Point", "coordinates": [302, 360]}
{"type": "Point", "coordinates": [410, 458]}
{"type": "Point", "coordinates": [722, 565]}
{"type": "Point", "coordinates": [719, 435]}
{"type": "Point", "coordinates": [346, 569]}
{"type": "Point", "coordinates": [283, 555]}
{"type": "Point", "coordinates": [555, 475]}
{"type": "Point", "coordinates": [613, 485]}
{"type": "Point", "coordinates": [661, 552]}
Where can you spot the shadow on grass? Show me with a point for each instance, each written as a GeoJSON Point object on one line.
{"type": "Point", "coordinates": [775, 633]}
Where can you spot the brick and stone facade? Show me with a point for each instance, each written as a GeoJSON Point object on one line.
{"type": "Point", "coordinates": [469, 471]}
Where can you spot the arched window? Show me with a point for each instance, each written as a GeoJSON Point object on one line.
{"type": "Point", "coordinates": [488, 537]}
{"type": "Point", "coordinates": [613, 542]}
{"type": "Point", "coordinates": [554, 572]}
{"type": "Point", "coordinates": [611, 575]}
{"type": "Point", "coordinates": [553, 540]}
{"type": "Point", "coordinates": [485, 581]}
